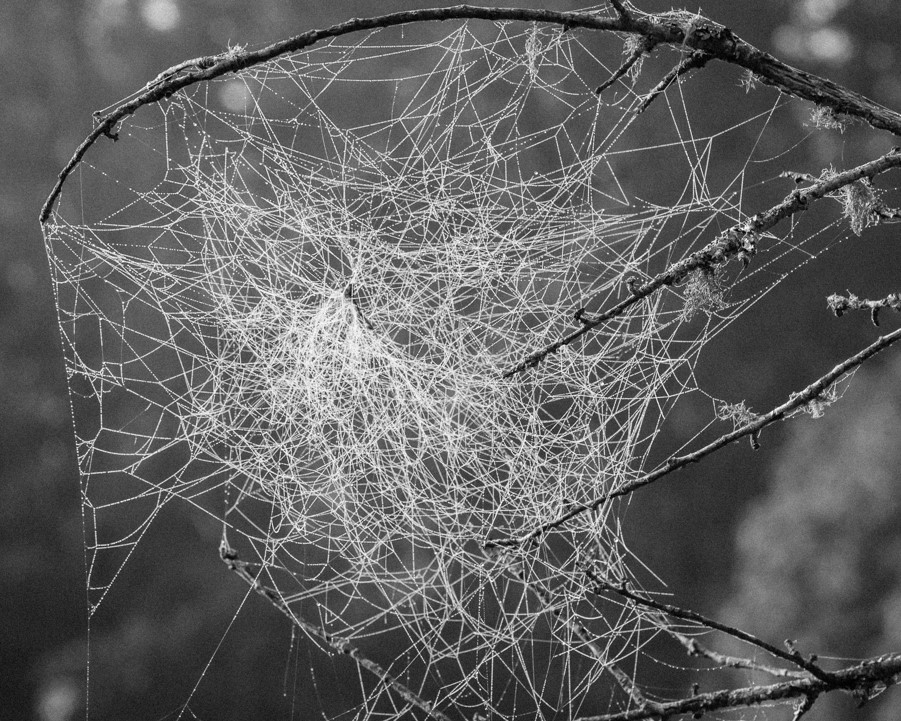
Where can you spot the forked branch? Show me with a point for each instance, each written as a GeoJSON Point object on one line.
{"type": "Point", "coordinates": [695, 648]}
{"type": "Point", "coordinates": [635, 55]}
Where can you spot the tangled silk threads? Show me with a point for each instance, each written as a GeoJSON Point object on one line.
{"type": "Point", "coordinates": [297, 317]}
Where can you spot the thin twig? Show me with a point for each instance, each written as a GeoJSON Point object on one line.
{"type": "Point", "coordinates": [695, 648]}
{"type": "Point", "coordinates": [799, 177]}
{"type": "Point", "coordinates": [809, 394]}
{"type": "Point", "coordinates": [795, 658]}
{"type": "Point", "coordinates": [840, 304]}
{"type": "Point", "coordinates": [861, 679]}
{"type": "Point", "coordinates": [668, 28]}
{"type": "Point", "coordinates": [166, 84]}
{"type": "Point", "coordinates": [886, 214]}
{"type": "Point", "coordinates": [738, 241]}
{"type": "Point", "coordinates": [697, 59]}
{"type": "Point", "coordinates": [342, 645]}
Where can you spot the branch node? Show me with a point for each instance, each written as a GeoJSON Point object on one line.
{"type": "Point", "coordinates": [840, 304]}
{"type": "Point", "coordinates": [799, 198]}
{"type": "Point", "coordinates": [635, 51]}
{"type": "Point", "coordinates": [695, 59]}
{"type": "Point", "coordinates": [106, 127]}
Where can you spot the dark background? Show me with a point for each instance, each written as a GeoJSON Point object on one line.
{"type": "Point", "coordinates": [739, 537]}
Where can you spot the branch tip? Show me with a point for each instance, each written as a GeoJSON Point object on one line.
{"type": "Point", "coordinates": [840, 304]}
{"type": "Point", "coordinates": [635, 51]}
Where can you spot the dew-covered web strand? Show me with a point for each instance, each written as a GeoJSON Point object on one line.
{"type": "Point", "coordinates": [314, 310]}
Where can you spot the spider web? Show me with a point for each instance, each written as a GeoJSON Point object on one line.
{"type": "Point", "coordinates": [288, 298]}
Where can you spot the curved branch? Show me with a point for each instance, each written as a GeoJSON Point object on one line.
{"type": "Point", "coordinates": [679, 29]}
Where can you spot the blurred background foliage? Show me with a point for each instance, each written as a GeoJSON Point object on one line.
{"type": "Point", "coordinates": [813, 517]}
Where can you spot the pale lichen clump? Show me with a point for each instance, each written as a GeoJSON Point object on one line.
{"type": "Point", "coordinates": [704, 292]}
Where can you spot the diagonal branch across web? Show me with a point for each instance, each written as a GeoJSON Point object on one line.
{"type": "Point", "coordinates": [798, 400]}
{"type": "Point", "coordinates": [740, 241]}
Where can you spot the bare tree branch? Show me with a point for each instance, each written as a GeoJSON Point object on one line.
{"type": "Point", "coordinates": [701, 40]}
{"type": "Point", "coordinates": [840, 304]}
{"type": "Point", "coordinates": [862, 680]}
{"type": "Point", "coordinates": [738, 241]}
{"type": "Point", "coordinates": [795, 658]}
{"type": "Point", "coordinates": [693, 61]}
{"type": "Point", "coordinates": [809, 394]}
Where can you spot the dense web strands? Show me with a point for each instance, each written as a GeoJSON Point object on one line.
{"type": "Point", "coordinates": [289, 297]}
